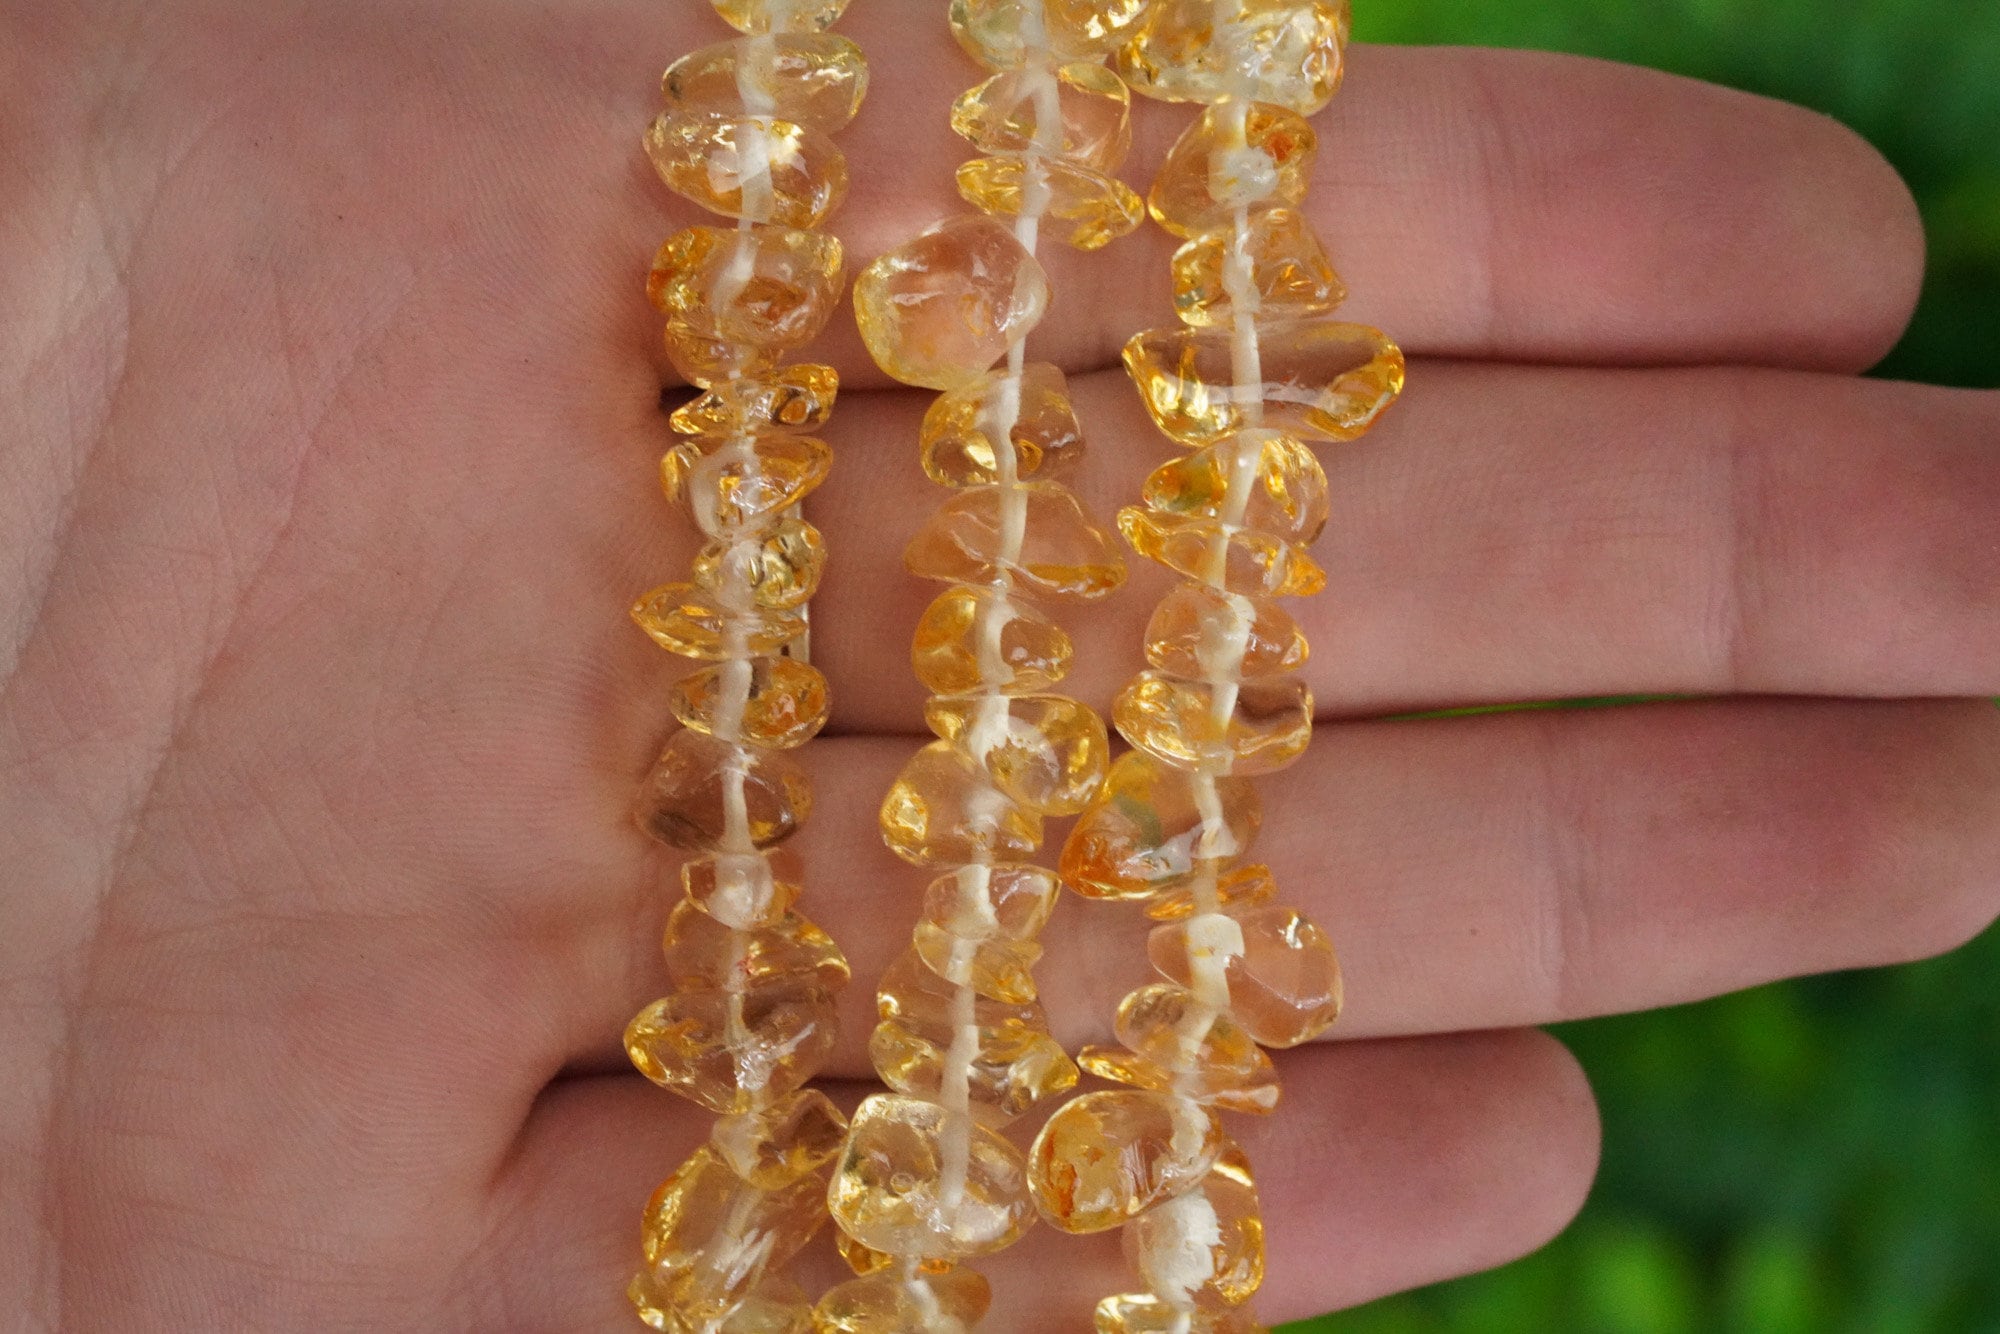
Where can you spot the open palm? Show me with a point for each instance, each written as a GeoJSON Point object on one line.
{"type": "Point", "coordinates": [328, 420]}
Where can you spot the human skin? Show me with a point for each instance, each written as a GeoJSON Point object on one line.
{"type": "Point", "coordinates": [328, 429]}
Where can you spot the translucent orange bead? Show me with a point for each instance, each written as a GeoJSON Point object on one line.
{"type": "Point", "coordinates": [1144, 1313]}
{"type": "Point", "coordinates": [1289, 275]}
{"type": "Point", "coordinates": [1094, 108]}
{"type": "Point", "coordinates": [809, 78]}
{"type": "Point", "coordinates": [734, 1052]}
{"type": "Point", "coordinates": [1284, 981]}
{"type": "Point", "coordinates": [1206, 176]}
{"type": "Point", "coordinates": [950, 1302]}
{"type": "Point", "coordinates": [798, 397]}
{"type": "Point", "coordinates": [1176, 1044]}
{"type": "Point", "coordinates": [705, 362]}
{"type": "Point", "coordinates": [1048, 752]}
{"type": "Point", "coordinates": [775, 1306]}
{"type": "Point", "coordinates": [995, 32]}
{"type": "Point", "coordinates": [1146, 834]}
{"type": "Point", "coordinates": [1205, 1248]}
{"type": "Point", "coordinates": [974, 638]}
{"type": "Point", "coordinates": [779, 702]}
{"type": "Point", "coordinates": [729, 483]}
{"type": "Point", "coordinates": [777, 569]}
{"type": "Point", "coordinates": [686, 800]}
{"type": "Point", "coordinates": [744, 889]}
{"type": "Point", "coordinates": [1290, 52]}
{"type": "Point", "coordinates": [755, 167]}
{"type": "Point", "coordinates": [1236, 560]}
{"type": "Point", "coordinates": [1207, 634]}
{"type": "Point", "coordinates": [945, 305]}
{"type": "Point", "coordinates": [1038, 533]}
{"type": "Point", "coordinates": [704, 955]}
{"type": "Point", "coordinates": [1257, 727]}
{"type": "Point", "coordinates": [943, 810]}
{"type": "Point", "coordinates": [979, 925]}
{"type": "Point", "coordinates": [1322, 380]}
{"type": "Point", "coordinates": [1258, 479]}
{"type": "Point", "coordinates": [959, 428]}
{"type": "Point", "coordinates": [779, 16]}
{"type": "Point", "coordinates": [888, 1190]}
{"type": "Point", "coordinates": [1245, 885]}
{"type": "Point", "coordinates": [713, 1237]}
{"type": "Point", "coordinates": [774, 1146]}
{"type": "Point", "coordinates": [1014, 1063]}
{"type": "Point", "coordinates": [1078, 206]}
{"type": "Point", "coordinates": [769, 286]}
{"type": "Point", "coordinates": [1107, 1157]}
{"type": "Point", "coordinates": [684, 619]}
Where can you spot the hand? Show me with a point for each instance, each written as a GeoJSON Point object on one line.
{"type": "Point", "coordinates": [329, 430]}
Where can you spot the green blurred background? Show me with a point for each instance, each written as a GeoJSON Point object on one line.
{"type": "Point", "coordinates": [1822, 1155]}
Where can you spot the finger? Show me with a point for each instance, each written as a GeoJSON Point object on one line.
{"type": "Point", "coordinates": [1389, 1165]}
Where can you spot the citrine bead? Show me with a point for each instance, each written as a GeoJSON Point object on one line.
{"type": "Point", "coordinates": [979, 925]}
{"type": "Point", "coordinates": [691, 798]}
{"type": "Point", "coordinates": [684, 619]}
{"type": "Point", "coordinates": [1078, 206]}
{"type": "Point", "coordinates": [1321, 380]}
{"type": "Point", "coordinates": [1257, 727]}
{"type": "Point", "coordinates": [945, 305]}
{"type": "Point", "coordinates": [772, 1147]}
{"type": "Point", "coordinates": [776, 569]}
{"type": "Point", "coordinates": [1207, 634]}
{"type": "Point", "coordinates": [1288, 274]}
{"type": "Point", "coordinates": [1048, 752]}
{"type": "Point", "coordinates": [996, 33]}
{"type": "Point", "coordinates": [744, 889]}
{"type": "Point", "coordinates": [1245, 885]}
{"type": "Point", "coordinates": [1284, 981]}
{"type": "Point", "coordinates": [706, 362]}
{"type": "Point", "coordinates": [1107, 1157]}
{"type": "Point", "coordinates": [943, 810]}
{"type": "Point", "coordinates": [779, 16]}
{"type": "Point", "coordinates": [889, 1194]}
{"type": "Point", "coordinates": [958, 437]}
{"type": "Point", "coordinates": [1146, 832]}
{"type": "Point", "coordinates": [704, 955]}
{"type": "Point", "coordinates": [1207, 175]}
{"type": "Point", "coordinates": [755, 167]}
{"type": "Point", "coordinates": [1206, 1247]}
{"type": "Point", "coordinates": [712, 1236]}
{"type": "Point", "coordinates": [772, 287]}
{"type": "Point", "coordinates": [778, 702]}
{"type": "Point", "coordinates": [775, 1306]}
{"type": "Point", "coordinates": [1291, 52]}
{"type": "Point", "coordinates": [1174, 1043]}
{"type": "Point", "coordinates": [734, 1051]}
{"type": "Point", "coordinates": [798, 397]}
{"type": "Point", "coordinates": [1093, 106]}
{"type": "Point", "coordinates": [1038, 534]}
{"type": "Point", "coordinates": [984, 638]}
{"type": "Point", "coordinates": [1012, 1063]}
{"type": "Point", "coordinates": [947, 1302]}
{"type": "Point", "coordinates": [808, 78]}
{"type": "Point", "coordinates": [1258, 479]}
{"type": "Point", "coordinates": [1144, 1313]}
{"type": "Point", "coordinates": [863, 1260]}
{"type": "Point", "coordinates": [728, 483]}
{"type": "Point", "coordinates": [1236, 560]}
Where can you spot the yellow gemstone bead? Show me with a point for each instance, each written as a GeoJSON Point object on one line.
{"type": "Point", "coordinates": [704, 955]}
{"type": "Point", "coordinates": [1146, 834]}
{"type": "Point", "coordinates": [1078, 206]}
{"type": "Point", "coordinates": [887, 1191]}
{"type": "Point", "coordinates": [1258, 479]}
{"type": "Point", "coordinates": [684, 619]}
{"type": "Point", "coordinates": [1207, 634]}
{"type": "Point", "coordinates": [727, 483]}
{"type": "Point", "coordinates": [1093, 106]}
{"type": "Point", "coordinates": [686, 800]}
{"type": "Point", "coordinates": [1037, 533]}
{"type": "Point", "coordinates": [774, 1306]}
{"type": "Point", "coordinates": [974, 638]}
{"type": "Point", "coordinates": [1284, 981]}
{"type": "Point", "coordinates": [772, 287]}
{"type": "Point", "coordinates": [744, 889]}
{"type": "Point", "coordinates": [950, 1301]}
{"type": "Point", "coordinates": [945, 305]}
{"type": "Point", "coordinates": [1176, 1044]}
{"type": "Point", "coordinates": [798, 397]}
{"type": "Point", "coordinates": [1321, 380]}
{"type": "Point", "coordinates": [755, 167]}
{"type": "Point", "coordinates": [705, 362]}
{"type": "Point", "coordinates": [1291, 52]}
{"type": "Point", "coordinates": [734, 1052]}
{"type": "Point", "coordinates": [777, 16]}
{"type": "Point", "coordinates": [958, 436]}
{"type": "Point", "coordinates": [778, 702]}
{"type": "Point", "coordinates": [774, 1146]}
{"type": "Point", "coordinates": [1289, 275]}
{"type": "Point", "coordinates": [1236, 560]}
{"type": "Point", "coordinates": [863, 1260]}
{"type": "Point", "coordinates": [713, 1236]}
{"type": "Point", "coordinates": [943, 810]}
{"type": "Point", "coordinates": [1206, 176]}
{"type": "Point", "coordinates": [995, 32]}
{"type": "Point", "coordinates": [1205, 1248]}
{"type": "Point", "coordinates": [777, 569]}
{"type": "Point", "coordinates": [1108, 1157]}
{"type": "Point", "coordinates": [1014, 1064]}
{"type": "Point", "coordinates": [1048, 752]}
{"type": "Point", "coordinates": [1245, 885]}
{"type": "Point", "coordinates": [979, 925]}
{"type": "Point", "coordinates": [1257, 727]}
{"type": "Point", "coordinates": [1144, 1313]}
{"type": "Point", "coordinates": [809, 78]}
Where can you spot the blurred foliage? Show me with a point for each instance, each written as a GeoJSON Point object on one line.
{"type": "Point", "coordinates": [1821, 1156]}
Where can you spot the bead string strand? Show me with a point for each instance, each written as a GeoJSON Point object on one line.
{"type": "Point", "coordinates": [750, 1017]}
{"type": "Point", "coordinates": [1257, 372]}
